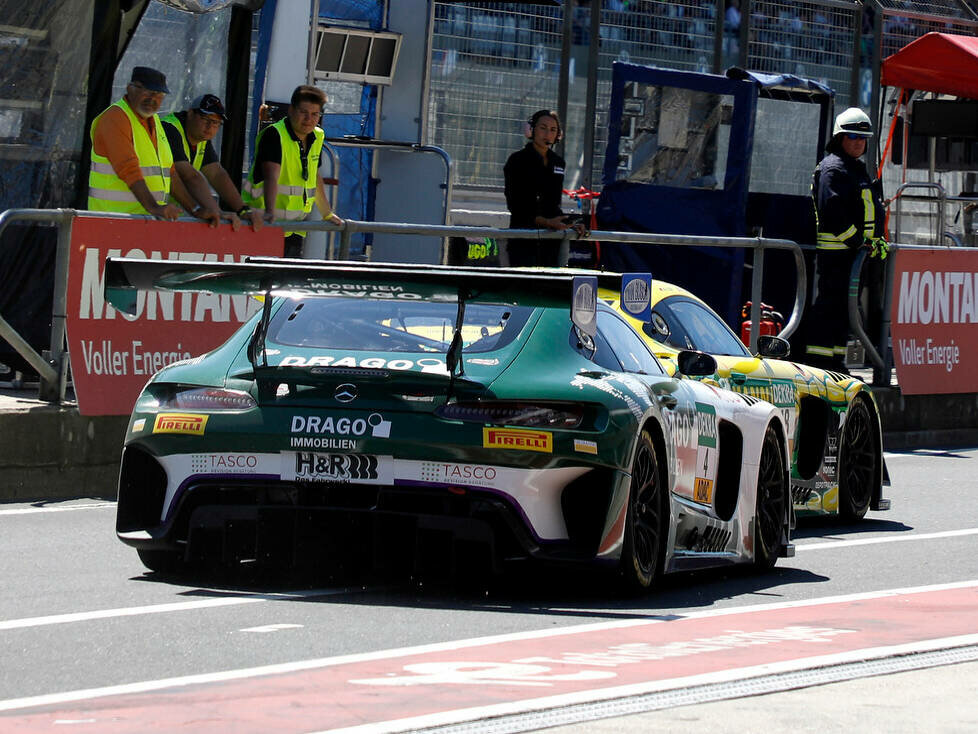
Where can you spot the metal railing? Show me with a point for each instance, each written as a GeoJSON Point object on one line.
{"type": "Point", "coordinates": [757, 244]}
{"type": "Point", "coordinates": [940, 200]}
{"type": "Point", "coordinates": [52, 367]}
{"type": "Point", "coordinates": [400, 147]}
{"type": "Point", "coordinates": [881, 362]}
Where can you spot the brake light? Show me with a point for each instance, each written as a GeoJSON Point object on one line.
{"type": "Point", "coordinates": [208, 398]}
{"type": "Point", "coordinates": [533, 415]}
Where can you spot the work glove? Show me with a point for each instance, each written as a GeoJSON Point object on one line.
{"type": "Point", "coordinates": [878, 247]}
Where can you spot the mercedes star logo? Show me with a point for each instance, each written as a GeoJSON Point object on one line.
{"type": "Point", "coordinates": [345, 393]}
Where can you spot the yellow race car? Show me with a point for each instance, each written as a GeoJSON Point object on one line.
{"type": "Point", "coordinates": [835, 438]}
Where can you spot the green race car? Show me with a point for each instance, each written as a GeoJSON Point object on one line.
{"type": "Point", "coordinates": [403, 413]}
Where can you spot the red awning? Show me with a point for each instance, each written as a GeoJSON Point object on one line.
{"type": "Point", "coordinates": [935, 62]}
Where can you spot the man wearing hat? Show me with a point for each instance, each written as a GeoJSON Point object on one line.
{"type": "Point", "coordinates": [190, 133]}
{"type": "Point", "coordinates": [132, 165]}
{"type": "Point", "coordinates": [849, 216]}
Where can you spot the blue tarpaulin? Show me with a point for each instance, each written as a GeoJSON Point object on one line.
{"type": "Point", "coordinates": [695, 204]}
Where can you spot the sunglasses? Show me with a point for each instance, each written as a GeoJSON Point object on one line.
{"type": "Point", "coordinates": [851, 136]}
{"type": "Point", "coordinates": [148, 92]}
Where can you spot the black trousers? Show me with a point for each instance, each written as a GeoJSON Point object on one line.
{"type": "Point", "coordinates": [293, 245]}
{"type": "Point", "coordinates": [827, 323]}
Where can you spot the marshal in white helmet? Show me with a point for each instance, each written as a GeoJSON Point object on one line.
{"type": "Point", "coordinates": [853, 122]}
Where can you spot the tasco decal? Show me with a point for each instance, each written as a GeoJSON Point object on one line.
{"type": "Point", "coordinates": [224, 463]}
{"type": "Point", "coordinates": [520, 439]}
{"type": "Point", "coordinates": [187, 423]}
{"type": "Point", "coordinates": [441, 472]}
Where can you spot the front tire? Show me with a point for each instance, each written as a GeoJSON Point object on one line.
{"type": "Point", "coordinates": [859, 462]}
{"type": "Point", "coordinates": [643, 555]}
{"type": "Point", "coordinates": [772, 499]}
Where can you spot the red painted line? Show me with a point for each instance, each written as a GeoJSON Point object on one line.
{"type": "Point", "coordinates": [459, 684]}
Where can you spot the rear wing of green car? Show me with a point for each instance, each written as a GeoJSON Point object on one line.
{"type": "Point", "coordinates": [125, 277]}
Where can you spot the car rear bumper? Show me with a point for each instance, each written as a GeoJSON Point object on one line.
{"type": "Point", "coordinates": [245, 518]}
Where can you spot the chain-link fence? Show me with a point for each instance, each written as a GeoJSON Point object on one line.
{"type": "Point", "coordinates": [493, 65]}
{"type": "Point", "coordinates": [491, 68]}
{"type": "Point", "coordinates": [919, 217]}
{"type": "Point", "coordinates": [902, 21]}
{"type": "Point", "coordinates": [815, 40]}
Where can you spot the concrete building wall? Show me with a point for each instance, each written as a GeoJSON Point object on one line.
{"type": "Point", "coordinates": [410, 187]}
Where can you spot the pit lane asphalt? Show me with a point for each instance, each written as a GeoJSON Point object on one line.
{"type": "Point", "coordinates": [122, 624]}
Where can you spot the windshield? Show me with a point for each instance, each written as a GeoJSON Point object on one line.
{"type": "Point", "coordinates": [393, 326]}
{"type": "Point", "coordinates": [686, 324]}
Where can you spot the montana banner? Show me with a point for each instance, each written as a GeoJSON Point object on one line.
{"type": "Point", "coordinates": [113, 354]}
{"type": "Point", "coordinates": [934, 320]}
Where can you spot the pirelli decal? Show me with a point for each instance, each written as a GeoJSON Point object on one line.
{"type": "Point", "coordinates": [520, 439]}
{"type": "Point", "coordinates": [188, 423]}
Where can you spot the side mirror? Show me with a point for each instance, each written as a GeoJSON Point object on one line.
{"type": "Point", "coordinates": [773, 346]}
{"type": "Point", "coordinates": [696, 364]}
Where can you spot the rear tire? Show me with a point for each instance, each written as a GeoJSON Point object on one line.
{"type": "Point", "coordinates": [643, 554]}
{"type": "Point", "coordinates": [772, 499]}
{"type": "Point", "coordinates": [162, 561]}
{"type": "Point", "coordinates": [859, 462]}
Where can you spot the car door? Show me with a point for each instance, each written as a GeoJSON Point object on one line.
{"type": "Point", "coordinates": [691, 421]}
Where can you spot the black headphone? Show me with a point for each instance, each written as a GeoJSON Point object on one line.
{"type": "Point", "coordinates": [535, 118]}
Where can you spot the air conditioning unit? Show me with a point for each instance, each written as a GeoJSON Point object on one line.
{"type": "Point", "coordinates": [355, 55]}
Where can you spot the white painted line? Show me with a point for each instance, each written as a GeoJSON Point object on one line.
{"type": "Point", "coordinates": [183, 606]}
{"type": "Point", "coordinates": [272, 628]}
{"type": "Point", "coordinates": [300, 665]}
{"type": "Point", "coordinates": [254, 598]}
{"type": "Point", "coordinates": [903, 537]}
{"type": "Point", "coordinates": [66, 508]}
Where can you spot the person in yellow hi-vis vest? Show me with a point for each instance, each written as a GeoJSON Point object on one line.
{"type": "Point", "coordinates": [132, 165]}
{"type": "Point", "coordinates": [190, 133]}
{"type": "Point", "coordinates": [284, 180]}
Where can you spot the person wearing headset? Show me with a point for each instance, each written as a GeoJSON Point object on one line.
{"type": "Point", "coordinates": [534, 179]}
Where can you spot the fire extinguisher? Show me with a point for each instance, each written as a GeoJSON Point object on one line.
{"type": "Point", "coordinates": [771, 322]}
